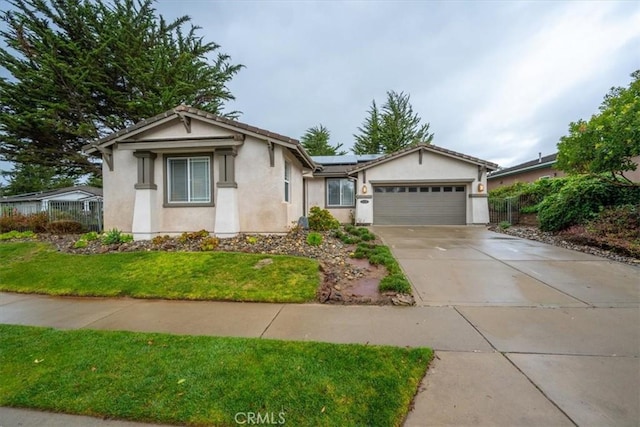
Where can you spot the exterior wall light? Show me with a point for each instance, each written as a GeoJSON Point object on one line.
{"type": "Point", "coordinates": [480, 187]}
{"type": "Point", "coordinates": [364, 189]}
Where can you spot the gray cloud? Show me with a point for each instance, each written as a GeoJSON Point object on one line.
{"type": "Point", "coordinates": [496, 80]}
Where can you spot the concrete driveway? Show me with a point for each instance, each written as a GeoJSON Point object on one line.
{"type": "Point", "coordinates": [562, 330]}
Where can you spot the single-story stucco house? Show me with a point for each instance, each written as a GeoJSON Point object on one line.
{"type": "Point", "coordinates": [541, 168]}
{"type": "Point", "coordinates": [30, 203]}
{"type": "Point", "coordinates": [187, 170]}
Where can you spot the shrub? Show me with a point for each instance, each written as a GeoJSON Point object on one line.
{"type": "Point", "coordinates": [314, 239]}
{"type": "Point", "coordinates": [160, 240]}
{"type": "Point", "coordinates": [38, 222]}
{"type": "Point", "coordinates": [64, 226]}
{"type": "Point", "coordinates": [209, 243]}
{"type": "Point", "coordinates": [115, 236]}
{"type": "Point", "coordinates": [90, 236]}
{"type": "Point", "coordinates": [17, 235]}
{"type": "Point", "coordinates": [504, 225]}
{"type": "Point", "coordinates": [580, 200]}
{"type": "Point", "coordinates": [252, 240]}
{"type": "Point", "coordinates": [395, 282]}
{"type": "Point", "coordinates": [81, 243]}
{"type": "Point", "coordinates": [322, 220]}
{"type": "Point", "coordinates": [194, 236]}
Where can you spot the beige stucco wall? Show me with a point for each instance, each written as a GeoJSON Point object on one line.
{"type": "Point", "coordinates": [434, 168]}
{"type": "Point", "coordinates": [260, 191]}
{"type": "Point", "coordinates": [316, 196]}
{"type": "Point", "coordinates": [526, 176]}
{"type": "Point", "coordinates": [118, 191]}
{"type": "Point", "coordinates": [174, 128]}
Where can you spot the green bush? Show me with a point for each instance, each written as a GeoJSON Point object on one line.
{"type": "Point", "coordinates": [322, 220]}
{"type": "Point", "coordinates": [90, 236]}
{"type": "Point", "coordinates": [65, 226]}
{"type": "Point", "coordinates": [193, 236]}
{"type": "Point", "coordinates": [81, 243]}
{"type": "Point", "coordinates": [209, 243]}
{"type": "Point", "coordinates": [504, 225]}
{"type": "Point", "coordinates": [580, 200]}
{"type": "Point", "coordinates": [115, 236]}
{"type": "Point", "coordinates": [314, 239]}
{"type": "Point", "coordinates": [14, 234]}
{"type": "Point", "coordinates": [395, 282]}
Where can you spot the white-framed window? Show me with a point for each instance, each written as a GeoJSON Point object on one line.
{"type": "Point", "coordinates": [189, 179]}
{"type": "Point", "coordinates": [287, 182]}
{"type": "Point", "coordinates": [341, 192]}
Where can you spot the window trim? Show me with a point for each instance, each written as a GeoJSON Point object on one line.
{"type": "Point", "coordinates": [287, 181]}
{"type": "Point", "coordinates": [340, 206]}
{"type": "Point", "coordinates": [165, 167]}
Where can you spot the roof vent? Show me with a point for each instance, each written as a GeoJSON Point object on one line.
{"type": "Point", "coordinates": [540, 157]}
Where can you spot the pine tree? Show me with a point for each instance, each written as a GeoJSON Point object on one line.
{"type": "Point", "coordinates": [316, 142]}
{"type": "Point", "coordinates": [81, 69]}
{"type": "Point", "coordinates": [392, 129]}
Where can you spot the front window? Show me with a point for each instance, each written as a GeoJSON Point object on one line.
{"type": "Point", "coordinates": [287, 181]}
{"type": "Point", "coordinates": [340, 192]}
{"type": "Point", "coordinates": [189, 180]}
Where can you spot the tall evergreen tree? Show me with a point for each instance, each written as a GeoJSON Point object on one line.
{"type": "Point", "coordinates": [81, 69]}
{"type": "Point", "coordinates": [29, 178]}
{"type": "Point", "coordinates": [393, 128]}
{"type": "Point", "coordinates": [316, 141]}
{"type": "Point", "coordinates": [369, 140]}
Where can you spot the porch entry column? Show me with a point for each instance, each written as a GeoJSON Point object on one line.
{"type": "Point", "coordinates": [144, 215]}
{"type": "Point", "coordinates": [227, 212]}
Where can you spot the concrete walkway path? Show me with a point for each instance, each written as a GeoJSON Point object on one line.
{"type": "Point", "coordinates": [525, 333]}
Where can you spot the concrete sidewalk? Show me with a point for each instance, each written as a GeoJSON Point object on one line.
{"type": "Point", "coordinates": [525, 333]}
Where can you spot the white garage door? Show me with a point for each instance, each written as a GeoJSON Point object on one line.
{"type": "Point", "coordinates": [419, 205]}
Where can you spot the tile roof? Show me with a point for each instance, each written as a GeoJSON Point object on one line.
{"type": "Point", "coordinates": [300, 153]}
{"type": "Point", "coordinates": [28, 197]}
{"type": "Point", "coordinates": [196, 112]}
{"type": "Point", "coordinates": [428, 147]}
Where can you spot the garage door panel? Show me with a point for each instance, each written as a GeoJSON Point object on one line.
{"type": "Point", "coordinates": [424, 207]}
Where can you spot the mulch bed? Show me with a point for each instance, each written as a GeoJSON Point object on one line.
{"type": "Point", "coordinates": [345, 280]}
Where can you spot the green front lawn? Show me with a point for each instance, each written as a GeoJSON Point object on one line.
{"type": "Point", "coordinates": [38, 268]}
{"type": "Point", "coordinates": [191, 380]}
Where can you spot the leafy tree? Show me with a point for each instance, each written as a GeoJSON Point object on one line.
{"type": "Point", "coordinates": [30, 178]}
{"type": "Point", "coordinates": [81, 69]}
{"type": "Point", "coordinates": [393, 128]}
{"type": "Point", "coordinates": [316, 142]}
{"type": "Point", "coordinates": [607, 142]}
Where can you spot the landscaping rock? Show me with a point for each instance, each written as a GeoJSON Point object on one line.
{"type": "Point", "coordinates": [534, 233]}
{"type": "Point", "coordinates": [340, 273]}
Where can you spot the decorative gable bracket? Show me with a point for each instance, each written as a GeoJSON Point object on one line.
{"type": "Point", "coordinates": [272, 158]}
{"type": "Point", "coordinates": [107, 155]}
{"type": "Point", "coordinates": [481, 171]}
{"type": "Point", "coordinates": [186, 121]}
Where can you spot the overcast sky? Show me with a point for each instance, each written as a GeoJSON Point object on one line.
{"type": "Point", "coordinates": [496, 80]}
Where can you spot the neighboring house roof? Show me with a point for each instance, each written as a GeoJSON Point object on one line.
{"type": "Point", "coordinates": [426, 147]}
{"type": "Point", "coordinates": [183, 110]}
{"type": "Point", "coordinates": [539, 163]}
{"type": "Point", "coordinates": [35, 197]}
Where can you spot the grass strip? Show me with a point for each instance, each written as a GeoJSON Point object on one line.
{"type": "Point", "coordinates": [33, 267]}
{"type": "Point", "coordinates": [191, 380]}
